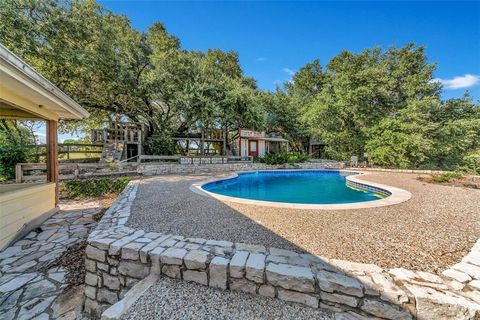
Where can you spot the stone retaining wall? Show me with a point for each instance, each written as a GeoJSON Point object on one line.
{"type": "Point", "coordinates": [150, 169]}
{"type": "Point", "coordinates": [119, 256]}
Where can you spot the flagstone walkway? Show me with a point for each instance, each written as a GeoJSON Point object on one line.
{"type": "Point", "coordinates": [29, 287]}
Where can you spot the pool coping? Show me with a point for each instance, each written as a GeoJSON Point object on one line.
{"type": "Point", "coordinates": [396, 196]}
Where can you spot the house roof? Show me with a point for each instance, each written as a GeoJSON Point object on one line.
{"type": "Point", "coordinates": [25, 93]}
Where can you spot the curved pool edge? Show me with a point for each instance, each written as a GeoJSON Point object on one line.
{"type": "Point", "coordinates": [396, 196]}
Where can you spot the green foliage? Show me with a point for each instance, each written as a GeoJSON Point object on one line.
{"type": "Point", "coordinates": [370, 93]}
{"type": "Point", "coordinates": [10, 155]}
{"type": "Point", "coordinates": [470, 163]}
{"type": "Point", "coordinates": [446, 177]}
{"type": "Point", "coordinates": [160, 145]}
{"type": "Point", "coordinates": [284, 157]}
{"type": "Point", "coordinates": [118, 73]}
{"type": "Point", "coordinates": [13, 147]}
{"type": "Point", "coordinates": [380, 103]}
{"type": "Point", "coordinates": [78, 189]}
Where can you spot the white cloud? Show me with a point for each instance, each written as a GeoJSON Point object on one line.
{"type": "Point", "coordinates": [261, 59]}
{"type": "Point", "coordinates": [289, 71]}
{"type": "Point", "coordinates": [459, 82]}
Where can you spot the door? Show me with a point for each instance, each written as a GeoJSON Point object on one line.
{"type": "Point", "coordinates": [253, 148]}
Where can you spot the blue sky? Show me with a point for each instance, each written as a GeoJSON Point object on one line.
{"type": "Point", "coordinates": [275, 39]}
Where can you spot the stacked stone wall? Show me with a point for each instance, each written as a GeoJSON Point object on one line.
{"type": "Point", "coordinates": [160, 169]}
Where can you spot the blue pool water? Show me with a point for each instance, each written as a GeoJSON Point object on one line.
{"type": "Point", "coordinates": [309, 187]}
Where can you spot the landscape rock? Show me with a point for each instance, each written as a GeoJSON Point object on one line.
{"type": "Point", "coordinates": [291, 277]}
{"type": "Point", "coordinates": [238, 263]}
{"type": "Point", "coordinates": [196, 276]}
{"type": "Point", "coordinates": [293, 296]}
{"type": "Point", "coordinates": [255, 267]}
{"type": "Point", "coordinates": [196, 259]}
{"type": "Point", "coordinates": [218, 273]}
{"type": "Point", "coordinates": [331, 282]}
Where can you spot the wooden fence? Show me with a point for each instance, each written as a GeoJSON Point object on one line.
{"type": "Point", "coordinates": [67, 151]}
{"type": "Point", "coordinates": [67, 171]}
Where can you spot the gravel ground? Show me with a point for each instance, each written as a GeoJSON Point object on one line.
{"type": "Point", "coordinates": [173, 299]}
{"type": "Point", "coordinates": [430, 232]}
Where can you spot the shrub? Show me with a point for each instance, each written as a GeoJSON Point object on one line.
{"type": "Point", "coordinates": [471, 163]}
{"type": "Point", "coordinates": [78, 189]}
{"type": "Point", "coordinates": [10, 155]}
{"type": "Point", "coordinates": [160, 144]}
{"type": "Point", "coordinates": [447, 177]}
{"type": "Point", "coordinates": [284, 157]}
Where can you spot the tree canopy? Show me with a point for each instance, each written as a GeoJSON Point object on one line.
{"type": "Point", "coordinates": [383, 104]}
{"type": "Point", "coordinates": [117, 72]}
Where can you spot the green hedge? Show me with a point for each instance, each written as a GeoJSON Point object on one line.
{"type": "Point", "coordinates": [284, 157]}
{"type": "Point", "coordinates": [77, 189]}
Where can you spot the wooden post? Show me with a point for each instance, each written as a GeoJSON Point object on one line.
{"type": "Point", "coordinates": [240, 143]}
{"type": "Point", "coordinates": [224, 150]}
{"type": "Point", "coordinates": [18, 173]}
{"type": "Point", "coordinates": [52, 155]}
{"type": "Point", "coordinates": [202, 141]}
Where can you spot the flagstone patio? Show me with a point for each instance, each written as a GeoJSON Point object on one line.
{"type": "Point", "coordinates": [29, 287]}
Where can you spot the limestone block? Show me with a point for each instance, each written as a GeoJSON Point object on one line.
{"type": "Point", "coordinates": [133, 269]}
{"type": "Point", "coordinates": [218, 273]}
{"type": "Point", "coordinates": [238, 263]}
{"type": "Point", "coordinates": [330, 282]}
{"type": "Point", "coordinates": [291, 277]}
{"type": "Point", "coordinates": [173, 256]}
{"type": "Point", "coordinates": [95, 254]}
{"type": "Point", "coordinates": [196, 259]}
{"type": "Point", "coordinates": [255, 267]}
{"type": "Point", "coordinates": [386, 310]}
{"type": "Point", "coordinates": [196, 276]}
{"type": "Point", "coordinates": [243, 285]}
{"type": "Point", "coordinates": [172, 271]}
{"type": "Point", "coordinates": [298, 297]}
{"type": "Point", "coordinates": [339, 298]}
{"type": "Point", "coordinates": [267, 290]}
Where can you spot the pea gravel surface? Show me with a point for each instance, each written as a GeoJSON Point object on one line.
{"type": "Point", "coordinates": [429, 232]}
{"type": "Point", "coordinates": [174, 299]}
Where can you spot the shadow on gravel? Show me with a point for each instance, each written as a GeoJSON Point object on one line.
{"type": "Point", "coordinates": [165, 204]}
{"type": "Point", "coordinates": [172, 208]}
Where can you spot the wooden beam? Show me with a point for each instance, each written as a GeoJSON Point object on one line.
{"type": "Point", "coordinates": [8, 112]}
{"type": "Point", "coordinates": [22, 103]}
{"type": "Point", "coordinates": [52, 155]}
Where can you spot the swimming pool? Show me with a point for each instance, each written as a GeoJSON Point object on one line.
{"type": "Point", "coordinates": [297, 187]}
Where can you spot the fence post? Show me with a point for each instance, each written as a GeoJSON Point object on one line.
{"type": "Point", "coordinates": [18, 173]}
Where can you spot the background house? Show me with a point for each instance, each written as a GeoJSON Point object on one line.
{"type": "Point", "coordinates": [257, 144]}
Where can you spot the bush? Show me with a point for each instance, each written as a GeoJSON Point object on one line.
{"type": "Point", "coordinates": [78, 189]}
{"type": "Point", "coordinates": [447, 177]}
{"type": "Point", "coordinates": [471, 163]}
{"type": "Point", "coordinates": [284, 157]}
{"type": "Point", "coordinates": [10, 155]}
{"type": "Point", "coordinates": [160, 144]}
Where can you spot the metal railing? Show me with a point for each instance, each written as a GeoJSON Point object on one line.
{"type": "Point", "coordinates": [195, 159]}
